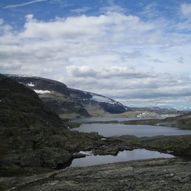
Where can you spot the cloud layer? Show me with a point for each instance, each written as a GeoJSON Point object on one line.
{"type": "Point", "coordinates": [119, 55]}
{"type": "Point", "coordinates": [186, 9]}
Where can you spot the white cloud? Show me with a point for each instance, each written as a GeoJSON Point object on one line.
{"type": "Point", "coordinates": [114, 54]}
{"type": "Point", "coordinates": [87, 26]}
{"type": "Point", "coordinates": [186, 9]}
{"type": "Point", "coordinates": [104, 72]}
{"type": "Point", "coordinates": [5, 29]}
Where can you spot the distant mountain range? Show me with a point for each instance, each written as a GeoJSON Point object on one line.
{"type": "Point", "coordinates": [73, 103]}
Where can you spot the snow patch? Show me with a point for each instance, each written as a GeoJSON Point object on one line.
{"type": "Point", "coordinates": [42, 91]}
{"type": "Point", "coordinates": [30, 84]}
{"type": "Point", "coordinates": [146, 115]}
{"type": "Point", "coordinates": [87, 153]}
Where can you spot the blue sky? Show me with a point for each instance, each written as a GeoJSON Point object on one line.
{"type": "Point", "coordinates": [14, 11]}
{"type": "Point", "coordinates": [137, 52]}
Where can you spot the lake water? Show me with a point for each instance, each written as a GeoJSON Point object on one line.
{"type": "Point", "coordinates": [106, 119]}
{"type": "Point", "coordinates": [116, 119]}
{"type": "Point", "coordinates": [123, 156]}
{"type": "Point", "coordinates": [114, 129]}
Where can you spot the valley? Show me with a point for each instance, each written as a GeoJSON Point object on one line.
{"type": "Point", "coordinates": [95, 95]}
{"type": "Point", "coordinates": [52, 139]}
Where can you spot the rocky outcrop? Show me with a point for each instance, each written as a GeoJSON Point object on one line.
{"type": "Point", "coordinates": [31, 136]}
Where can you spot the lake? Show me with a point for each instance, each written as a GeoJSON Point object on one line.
{"type": "Point", "coordinates": [115, 129]}
{"type": "Point", "coordinates": [106, 119]}
{"type": "Point", "coordinates": [123, 156]}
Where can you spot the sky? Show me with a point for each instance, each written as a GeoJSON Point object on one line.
{"type": "Point", "coordinates": [135, 51]}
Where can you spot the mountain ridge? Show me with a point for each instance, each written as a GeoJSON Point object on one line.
{"type": "Point", "coordinates": [67, 101]}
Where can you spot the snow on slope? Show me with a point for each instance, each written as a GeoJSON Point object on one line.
{"type": "Point", "coordinates": [30, 84]}
{"type": "Point", "coordinates": [42, 91]}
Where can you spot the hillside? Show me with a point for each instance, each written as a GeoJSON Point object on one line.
{"type": "Point", "coordinates": [182, 121]}
{"type": "Point", "coordinates": [95, 102]}
{"type": "Point", "coordinates": [68, 102]}
{"type": "Point", "coordinates": [32, 137]}
{"type": "Point", "coordinates": [28, 130]}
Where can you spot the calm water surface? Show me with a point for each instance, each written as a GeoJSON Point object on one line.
{"type": "Point", "coordinates": [106, 119]}
{"type": "Point", "coordinates": [112, 129]}
{"type": "Point", "coordinates": [123, 156]}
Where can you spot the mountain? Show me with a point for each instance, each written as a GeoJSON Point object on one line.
{"type": "Point", "coordinates": [31, 135]}
{"type": "Point", "coordinates": [68, 102]}
{"type": "Point", "coordinates": [95, 102]}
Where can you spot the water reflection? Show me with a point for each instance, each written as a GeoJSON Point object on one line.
{"type": "Point", "coordinates": [111, 129]}
{"type": "Point", "coordinates": [123, 156]}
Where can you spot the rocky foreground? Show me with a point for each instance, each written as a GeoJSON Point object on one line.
{"type": "Point", "coordinates": [160, 174]}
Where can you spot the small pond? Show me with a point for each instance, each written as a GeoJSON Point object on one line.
{"type": "Point", "coordinates": [123, 156]}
